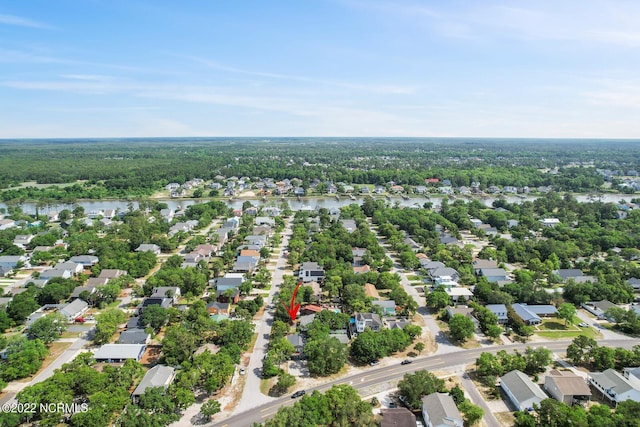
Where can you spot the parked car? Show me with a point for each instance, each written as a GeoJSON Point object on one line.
{"type": "Point", "coordinates": [298, 393]}
{"type": "Point", "coordinates": [79, 320]}
{"type": "Point", "coordinates": [374, 362]}
{"type": "Point", "coordinates": [583, 325]}
{"type": "Point", "coordinates": [406, 362]}
{"type": "Point", "coordinates": [243, 371]}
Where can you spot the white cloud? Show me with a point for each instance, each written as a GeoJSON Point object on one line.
{"type": "Point", "coordinates": [22, 22]}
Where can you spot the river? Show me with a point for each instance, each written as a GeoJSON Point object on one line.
{"type": "Point", "coordinates": [93, 206]}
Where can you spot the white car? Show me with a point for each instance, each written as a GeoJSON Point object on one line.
{"type": "Point", "coordinates": [243, 371]}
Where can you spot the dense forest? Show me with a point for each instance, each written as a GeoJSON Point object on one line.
{"type": "Point", "coordinates": [131, 167]}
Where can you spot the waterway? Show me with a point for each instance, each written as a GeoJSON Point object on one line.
{"type": "Point", "coordinates": [96, 206]}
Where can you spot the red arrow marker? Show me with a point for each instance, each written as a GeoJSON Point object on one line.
{"type": "Point", "coordinates": [293, 307]}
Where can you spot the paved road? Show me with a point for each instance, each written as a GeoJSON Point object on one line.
{"type": "Point", "coordinates": [444, 345]}
{"type": "Point", "coordinates": [394, 373]}
{"type": "Point", "coordinates": [251, 396]}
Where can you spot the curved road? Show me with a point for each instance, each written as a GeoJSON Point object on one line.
{"type": "Point", "coordinates": [392, 373]}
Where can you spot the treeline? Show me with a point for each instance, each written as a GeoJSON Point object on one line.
{"type": "Point", "coordinates": [120, 169]}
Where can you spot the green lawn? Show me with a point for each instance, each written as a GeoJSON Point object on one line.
{"type": "Point", "coordinates": [555, 329]}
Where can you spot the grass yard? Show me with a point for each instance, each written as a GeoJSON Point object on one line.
{"type": "Point", "coordinates": [556, 329]}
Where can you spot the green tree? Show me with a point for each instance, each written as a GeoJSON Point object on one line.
{"type": "Point", "coordinates": [461, 327]}
{"type": "Point", "coordinates": [210, 408]}
{"type": "Point", "coordinates": [412, 387]}
{"type": "Point", "coordinates": [438, 299]}
{"type": "Point", "coordinates": [285, 381]}
{"type": "Point", "coordinates": [566, 311]}
{"type": "Point", "coordinates": [325, 356]}
{"type": "Point", "coordinates": [48, 328]}
{"type": "Point", "coordinates": [471, 413]}
{"type": "Point", "coordinates": [154, 316]}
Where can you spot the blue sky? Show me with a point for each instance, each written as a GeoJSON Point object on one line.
{"type": "Point", "coordinates": [491, 68]}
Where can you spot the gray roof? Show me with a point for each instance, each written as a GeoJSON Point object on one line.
{"type": "Point", "coordinates": [541, 309]}
{"type": "Point", "coordinates": [158, 376]}
{"type": "Point", "coordinates": [133, 336]}
{"type": "Point", "coordinates": [612, 380]}
{"type": "Point", "coordinates": [526, 315]}
{"type": "Point", "coordinates": [568, 273]}
{"type": "Point", "coordinates": [372, 317]}
{"type": "Point", "coordinates": [441, 409]}
{"type": "Point", "coordinates": [311, 266]}
{"type": "Point", "coordinates": [389, 304]}
{"type": "Point", "coordinates": [74, 308]}
{"type": "Point", "coordinates": [295, 340]}
{"type": "Point", "coordinates": [165, 291]}
{"type": "Point", "coordinates": [444, 271]}
{"type": "Point", "coordinates": [119, 351]}
{"type": "Point", "coordinates": [521, 387]}
{"type": "Point", "coordinates": [229, 282]}
{"type": "Point", "coordinates": [397, 417]}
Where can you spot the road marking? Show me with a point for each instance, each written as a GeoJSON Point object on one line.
{"type": "Point", "coordinates": [267, 415]}
{"type": "Point", "coordinates": [269, 408]}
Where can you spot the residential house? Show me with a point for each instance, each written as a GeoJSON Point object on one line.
{"type": "Point", "coordinates": [367, 320]}
{"type": "Point", "coordinates": [260, 241]}
{"type": "Point", "coordinates": [357, 254]}
{"type": "Point", "coordinates": [74, 309]}
{"type": "Point", "coordinates": [117, 353]}
{"type": "Point", "coordinates": [216, 307]}
{"type": "Point", "coordinates": [388, 307]}
{"type": "Point", "coordinates": [613, 386]}
{"type": "Point", "coordinates": [493, 274]}
{"type": "Point", "coordinates": [310, 309]}
{"type": "Point", "coordinates": [111, 274]}
{"type": "Point", "coordinates": [444, 272]}
{"type": "Point", "coordinates": [22, 240]}
{"type": "Point", "coordinates": [10, 262]}
{"type": "Point", "coordinates": [6, 223]}
{"type": "Point", "coordinates": [161, 301]}
{"type": "Point", "coordinates": [362, 269]}
{"type": "Point", "coordinates": [532, 314]}
{"type": "Point", "coordinates": [634, 283]}
{"type": "Point", "coordinates": [172, 292]}
{"type": "Point", "coordinates": [568, 273]}
{"type": "Point", "coordinates": [349, 225]}
{"type": "Point", "coordinates": [149, 248]}
{"type": "Point", "coordinates": [158, 376]}
{"type": "Point", "coordinates": [448, 239]}
{"type": "Point", "coordinates": [439, 410]}
{"type": "Point", "coordinates": [265, 220]}
{"type": "Point", "coordinates": [499, 310]}
{"type": "Point", "coordinates": [397, 417]}
{"type": "Point", "coordinates": [631, 374]}
{"type": "Point", "coordinates": [567, 387]}
{"type": "Point", "coordinates": [245, 264]}
{"type": "Point", "coordinates": [521, 391]}
{"type": "Point", "coordinates": [52, 273]}
{"type": "Point", "coordinates": [134, 336]}
{"type": "Point", "coordinates": [310, 271]}
{"type": "Point", "coordinates": [87, 261]}
{"type": "Point", "coordinates": [550, 222]}
{"type": "Point", "coordinates": [479, 264]}
{"type": "Point", "coordinates": [73, 267]}
{"type": "Point", "coordinates": [297, 342]}
{"type": "Point", "coordinates": [429, 265]}
{"type": "Point", "coordinates": [89, 287]}
{"type": "Point", "coordinates": [598, 308]}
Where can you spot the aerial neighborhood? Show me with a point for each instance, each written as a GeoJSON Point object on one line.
{"type": "Point", "coordinates": [441, 310]}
